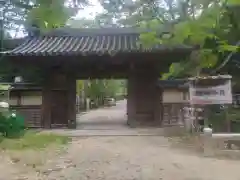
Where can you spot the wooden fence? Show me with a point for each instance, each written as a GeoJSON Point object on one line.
{"type": "Point", "coordinates": [31, 114]}
{"type": "Point", "coordinates": [180, 114]}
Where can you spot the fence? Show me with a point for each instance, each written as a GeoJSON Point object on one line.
{"type": "Point", "coordinates": [223, 118]}
{"type": "Point", "coordinates": [32, 115]}
{"type": "Point", "coordinates": [221, 143]}
{"type": "Point", "coordinates": [174, 114]}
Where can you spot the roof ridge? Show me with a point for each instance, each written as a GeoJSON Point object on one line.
{"type": "Point", "coordinates": [85, 35]}
{"type": "Point", "coordinates": [99, 44]}
{"type": "Point", "coordinates": [65, 31]}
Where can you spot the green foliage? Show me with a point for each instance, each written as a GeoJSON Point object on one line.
{"type": "Point", "coordinates": [48, 14]}
{"type": "Point", "coordinates": [101, 88]}
{"type": "Point", "coordinates": [206, 19]}
{"type": "Point", "coordinates": [217, 117]}
{"type": "Point", "coordinates": [80, 86]}
{"type": "Point", "coordinates": [44, 13]}
{"type": "Point", "coordinates": [11, 125]}
{"type": "Point", "coordinates": [4, 87]}
{"type": "Point", "coordinates": [233, 2]}
{"type": "Point", "coordinates": [174, 70]}
{"type": "Point", "coordinates": [149, 39]}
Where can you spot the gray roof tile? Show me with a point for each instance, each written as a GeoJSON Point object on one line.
{"type": "Point", "coordinates": [67, 41]}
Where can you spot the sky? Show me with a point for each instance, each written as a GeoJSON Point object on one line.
{"type": "Point", "coordinates": [91, 11]}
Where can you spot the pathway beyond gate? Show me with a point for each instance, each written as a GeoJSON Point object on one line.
{"type": "Point", "coordinates": [104, 118]}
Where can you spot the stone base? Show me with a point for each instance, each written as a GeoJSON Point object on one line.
{"type": "Point", "coordinates": [174, 131]}
{"type": "Point", "coordinates": [72, 124]}
{"type": "Point", "coordinates": [135, 123]}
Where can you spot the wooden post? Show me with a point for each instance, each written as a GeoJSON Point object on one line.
{"type": "Point", "coordinates": [208, 142]}
{"type": "Point", "coordinates": [228, 121]}
{"type": "Point", "coordinates": [207, 114]}
{"type": "Point", "coordinates": [87, 104]}
{"type": "Point", "coordinates": [131, 99]}
{"type": "Point", "coordinates": [46, 104]}
{"type": "Point", "coordinates": [72, 102]}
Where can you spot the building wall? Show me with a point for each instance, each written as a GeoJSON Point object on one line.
{"type": "Point", "coordinates": [13, 101]}
{"type": "Point", "coordinates": [29, 105]}
{"type": "Point", "coordinates": [31, 98]}
{"type": "Point", "coordinates": [26, 98]}
{"type": "Point", "coordinates": [175, 96]}
{"type": "Point", "coordinates": [173, 101]}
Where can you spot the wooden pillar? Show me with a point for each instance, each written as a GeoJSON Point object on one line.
{"type": "Point", "coordinates": [144, 97]}
{"type": "Point", "coordinates": [158, 105]}
{"type": "Point", "coordinates": [46, 104]}
{"type": "Point", "coordinates": [131, 100]}
{"type": "Point", "coordinates": [59, 100]}
{"type": "Point", "coordinates": [71, 102]}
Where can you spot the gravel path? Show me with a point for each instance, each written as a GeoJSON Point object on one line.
{"type": "Point", "coordinates": [133, 158]}
{"type": "Point", "coordinates": [115, 158]}
{"type": "Point", "coordinates": [104, 118]}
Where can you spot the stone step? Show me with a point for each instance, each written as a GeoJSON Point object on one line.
{"type": "Point", "coordinates": [120, 132]}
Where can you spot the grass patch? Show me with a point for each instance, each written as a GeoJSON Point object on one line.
{"type": "Point", "coordinates": [32, 140]}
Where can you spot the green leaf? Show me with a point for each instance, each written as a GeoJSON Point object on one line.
{"type": "Point", "coordinates": [207, 59]}
{"type": "Point", "coordinates": [226, 47]}
{"type": "Point", "coordinates": [149, 39]}
{"type": "Point", "coordinates": [233, 2]}
{"type": "Point", "coordinates": [4, 87]}
{"type": "Point", "coordinates": [154, 24]}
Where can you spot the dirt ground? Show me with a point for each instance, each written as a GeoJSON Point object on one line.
{"type": "Point", "coordinates": [112, 157]}
{"type": "Point", "coordinates": [116, 158]}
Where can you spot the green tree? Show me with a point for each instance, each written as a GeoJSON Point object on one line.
{"type": "Point", "coordinates": [44, 13]}
{"type": "Point", "coordinates": [212, 25]}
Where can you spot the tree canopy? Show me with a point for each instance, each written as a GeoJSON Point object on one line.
{"type": "Point", "coordinates": [212, 25]}
{"type": "Point", "coordinates": [19, 14]}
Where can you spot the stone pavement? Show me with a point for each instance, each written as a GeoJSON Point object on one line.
{"type": "Point", "coordinates": [109, 132]}
{"type": "Point", "coordinates": [107, 121]}
{"type": "Point", "coordinates": [107, 118]}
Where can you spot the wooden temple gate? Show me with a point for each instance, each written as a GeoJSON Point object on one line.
{"type": "Point", "coordinates": [66, 55]}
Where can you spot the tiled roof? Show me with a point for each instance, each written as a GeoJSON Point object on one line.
{"type": "Point", "coordinates": [175, 83]}
{"type": "Point", "coordinates": [12, 43]}
{"type": "Point", "coordinates": [22, 86]}
{"type": "Point", "coordinates": [67, 41]}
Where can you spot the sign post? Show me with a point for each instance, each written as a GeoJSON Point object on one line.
{"type": "Point", "coordinates": [210, 90]}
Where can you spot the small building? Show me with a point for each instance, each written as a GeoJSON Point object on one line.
{"type": "Point", "coordinates": [26, 99]}
{"type": "Point", "coordinates": [175, 96]}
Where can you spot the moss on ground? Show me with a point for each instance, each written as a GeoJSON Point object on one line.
{"type": "Point", "coordinates": [33, 140]}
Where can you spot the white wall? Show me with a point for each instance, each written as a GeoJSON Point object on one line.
{"type": "Point", "coordinates": [175, 96]}
{"type": "Point", "coordinates": [31, 98]}
{"type": "Point", "coordinates": [13, 100]}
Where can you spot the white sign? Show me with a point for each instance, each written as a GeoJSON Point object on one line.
{"type": "Point", "coordinates": [217, 94]}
